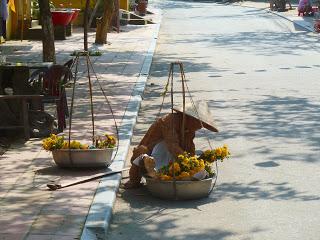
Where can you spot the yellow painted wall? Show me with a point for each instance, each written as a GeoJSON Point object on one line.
{"type": "Point", "coordinates": [124, 4]}
{"type": "Point", "coordinates": [9, 27]}
{"type": "Point", "coordinates": [12, 21]}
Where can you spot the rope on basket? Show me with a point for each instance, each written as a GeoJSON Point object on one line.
{"type": "Point", "coordinates": [208, 140]}
{"type": "Point", "coordinates": [89, 65]}
{"type": "Point", "coordinates": [184, 88]}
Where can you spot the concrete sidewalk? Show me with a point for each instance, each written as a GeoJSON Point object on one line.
{"type": "Point", "coordinates": [291, 14]}
{"type": "Point", "coordinates": [27, 209]}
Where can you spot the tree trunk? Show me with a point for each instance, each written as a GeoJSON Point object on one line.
{"type": "Point", "coordinates": [103, 23]}
{"type": "Point", "coordinates": [47, 32]}
{"type": "Point", "coordinates": [98, 3]}
{"type": "Point", "coordinates": [116, 16]}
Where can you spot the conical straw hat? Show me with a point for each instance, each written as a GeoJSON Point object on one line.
{"type": "Point", "coordinates": [201, 112]}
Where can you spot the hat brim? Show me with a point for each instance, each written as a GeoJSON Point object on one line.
{"type": "Point", "coordinates": [206, 125]}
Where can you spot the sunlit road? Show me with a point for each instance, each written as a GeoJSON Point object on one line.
{"type": "Point", "coordinates": [260, 77]}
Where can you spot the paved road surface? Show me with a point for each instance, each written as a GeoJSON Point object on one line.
{"type": "Point", "coordinates": [260, 77]}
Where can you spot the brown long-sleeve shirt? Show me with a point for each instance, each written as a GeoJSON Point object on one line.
{"type": "Point", "coordinates": [161, 130]}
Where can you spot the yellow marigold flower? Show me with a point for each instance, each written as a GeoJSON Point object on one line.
{"type": "Point", "coordinates": [84, 146]}
{"type": "Point", "coordinates": [176, 168]}
{"type": "Point", "coordinates": [75, 145]}
{"type": "Point", "coordinates": [207, 152]}
{"type": "Point", "coordinates": [197, 169]}
{"type": "Point", "coordinates": [48, 144]}
{"type": "Point", "coordinates": [53, 136]}
{"type": "Point", "coordinates": [65, 145]}
{"type": "Point", "coordinates": [213, 158]}
{"type": "Point", "coordinates": [111, 140]}
{"type": "Point", "coordinates": [201, 163]}
{"type": "Point", "coordinates": [184, 175]}
{"type": "Point", "coordinates": [185, 162]}
{"type": "Point", "coordinates": [196, 162]}
{"type": "Point", "coordinates": [192, 172]}
{"type": "Point", "coordinates": [218, 152]}
{"type": "Point", "coordinates": [224, 153]}
{"type": "Point", "coordinates": [165, 178]}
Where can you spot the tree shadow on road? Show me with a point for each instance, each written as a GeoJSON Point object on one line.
{"type": "Point", "coordinates": [156, 217]}
{"type": "Point", "coordinates": [289, 118]}
{"type": "Point", "coordinates": [153, 218]}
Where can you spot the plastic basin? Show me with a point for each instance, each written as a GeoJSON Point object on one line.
{"type": "Point", "coordinates": [75, 14]}
{"type": "Point", "coordinates": [61, 17]}
{"type": "Point", "coordinates": [83, 157]}
{"type": "Point", "coordinates": [185, 190]}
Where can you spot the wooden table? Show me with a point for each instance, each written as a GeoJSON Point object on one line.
{"type": "Point", "coordinates": [16, 75]}
{"type": "Point", "coordinates": [31, 65]}
{"type": "Point", "coordinates": [24, 117]}
{"type": "Point", "coordinates": [15, 107]}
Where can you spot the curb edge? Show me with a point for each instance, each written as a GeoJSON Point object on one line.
{"type": "Point", "coordinates": [100, 212]}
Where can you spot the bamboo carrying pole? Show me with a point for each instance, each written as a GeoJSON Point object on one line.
{"type": "Point", "coordinates": [85, 25]}
{"type": "Point", "coordinates": [55, 186]}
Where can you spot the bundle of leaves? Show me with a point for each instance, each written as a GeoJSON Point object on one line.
{"type": "Point", "coordinates": [91, 53]}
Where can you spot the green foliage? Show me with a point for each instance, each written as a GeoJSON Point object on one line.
{"type": "Point", "coordinates": [91, 53]}
{"type": "Point", "coordinates": [35, 10]}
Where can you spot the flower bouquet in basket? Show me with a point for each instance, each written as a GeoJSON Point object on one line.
{"type": "Point", "coordinates": [77, 154]}
{"type": "Point", "coordinates": [187, 167]}
{"type": "Point", "coordinates": [193, 176]}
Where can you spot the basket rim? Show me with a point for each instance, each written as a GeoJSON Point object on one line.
{"type": "Point", "coordinates": [180, 181]}
{"type": "Point", "coordinates": [82, 150]}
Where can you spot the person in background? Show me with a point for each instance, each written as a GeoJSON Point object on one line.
{"type": "Point", "coordinates": [289, 3]}
{"type": "Point", "coordinates": [3, 18]}
{"type": "Point", "coordinates": [305, 7]}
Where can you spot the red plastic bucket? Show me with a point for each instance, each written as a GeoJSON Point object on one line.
{"type": "Point", "coordinates": [75, 14]}
{"type": "Point", "coordinates": [61, 17]}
